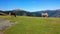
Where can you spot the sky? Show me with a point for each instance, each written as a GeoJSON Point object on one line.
{"type": "Point", "coordinates": [30, 5]}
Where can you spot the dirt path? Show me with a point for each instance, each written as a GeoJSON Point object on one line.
{"type": "Point", "coordinates": [1, 32]}
{"type": "Point", "coordinates": [4, 24]}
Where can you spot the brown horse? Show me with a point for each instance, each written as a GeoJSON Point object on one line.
{"type": "Point", "coordinates": [44, 14]}
{"type": "Point", "coordinates": [12, 14]}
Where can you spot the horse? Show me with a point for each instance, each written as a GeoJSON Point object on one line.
{"type": "Point", "coordinates": [44, 15]}
{"type": "Point", "coordinates": [12, 14]}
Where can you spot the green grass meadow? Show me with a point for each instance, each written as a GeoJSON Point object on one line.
{"type": "Point", "coordinates": [33, 25]}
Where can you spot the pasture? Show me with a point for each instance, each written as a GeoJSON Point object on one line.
{"type": "Point", "coordinates": [33, 25]}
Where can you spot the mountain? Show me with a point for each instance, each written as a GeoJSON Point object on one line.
{"type": "Point", "coordinates": [51, 13]}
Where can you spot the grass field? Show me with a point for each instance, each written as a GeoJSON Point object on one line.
{"type": "Point", "coordinates": [33, 25]}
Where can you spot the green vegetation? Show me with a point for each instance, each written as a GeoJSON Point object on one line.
{"type": "Point", "coordinates": [34, 25]}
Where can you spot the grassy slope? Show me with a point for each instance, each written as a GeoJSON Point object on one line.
{"type": "Point", "coordinates": [34, 25]}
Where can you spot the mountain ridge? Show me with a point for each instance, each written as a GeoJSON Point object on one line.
{"type": "Point", "coordinates": [51, 13]}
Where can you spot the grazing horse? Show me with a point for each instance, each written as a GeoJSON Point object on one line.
{"type": "Point", "coordinates": [13, 14]}
{"type": "Point", "coordinates": [44, 15]}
